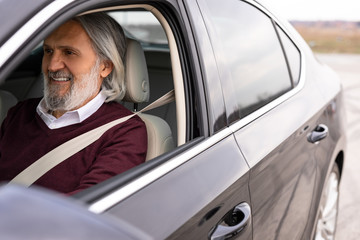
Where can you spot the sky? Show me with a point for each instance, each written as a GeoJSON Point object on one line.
{"type": "Point", "coordinates": [316, 9]}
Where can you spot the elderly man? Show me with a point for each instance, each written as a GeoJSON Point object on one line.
{"type": "Point", "coordinates": [83, 68]}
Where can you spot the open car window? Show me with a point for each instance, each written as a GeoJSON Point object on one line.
{"type": "Point", "coordinates": [141, 25]}
{"type": "Point", "coordinates": [147, 26]}
{"type": "Point", "coordinates": [138, 24]}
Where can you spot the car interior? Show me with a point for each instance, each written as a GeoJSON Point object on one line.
{"type": "Point", "coordinates": [152, 70]}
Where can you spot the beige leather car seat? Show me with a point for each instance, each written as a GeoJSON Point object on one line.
{"type": "Point", "coordinates": [160, 138]}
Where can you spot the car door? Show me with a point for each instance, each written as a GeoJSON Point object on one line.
{"type": "Point", "coordinates": [189, 201]}
{"type": "Point", "coordinates": [271, 111]}
{"type": "Point", "coordinates": [200, 190]}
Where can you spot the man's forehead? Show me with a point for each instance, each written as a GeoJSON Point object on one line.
{"type": "Point", "coordinates": [69, 32]}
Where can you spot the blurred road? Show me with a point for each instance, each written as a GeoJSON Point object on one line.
{"type": "Point", "coordinates": [348, 68]}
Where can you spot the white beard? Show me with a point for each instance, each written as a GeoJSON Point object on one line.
{"type": "Point", "coordinates": [80, 90]}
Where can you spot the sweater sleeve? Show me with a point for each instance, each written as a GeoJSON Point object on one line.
{"type": "Point", "coordinates": [122, 147]}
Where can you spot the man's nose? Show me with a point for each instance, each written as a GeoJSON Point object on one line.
{"type": "Point", "coordinates": [55, 63]}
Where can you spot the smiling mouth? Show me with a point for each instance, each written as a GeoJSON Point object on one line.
{"type": "Point", "coordinates": [62, 79]}
{"type": "Point", "coordinates": [59, 76]}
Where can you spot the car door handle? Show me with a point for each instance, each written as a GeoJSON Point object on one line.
{"type": "Point", "coordinates": [319, 133]}
{"type": "Point", "coordinates": [233, 223]}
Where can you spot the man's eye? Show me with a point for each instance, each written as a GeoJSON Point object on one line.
{"type": "Point", "coordinates": [47, 51]}
{"type": "Point", "coordinates": [68, 52]}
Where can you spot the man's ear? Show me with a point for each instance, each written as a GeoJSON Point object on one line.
{"type": "Point", "coordinates": [106, 68]}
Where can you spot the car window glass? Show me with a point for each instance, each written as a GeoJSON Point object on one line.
{"type": "Point", "coordinates": [141, 25]}
{"type": "Point", "coordinates": [250, 49]}
{"type": "Point", "coordinates": [292, 54]}
{"type": "Point", "coordinates": [138, 25]}
{"type": "Point", "coordinates": [145, 28]}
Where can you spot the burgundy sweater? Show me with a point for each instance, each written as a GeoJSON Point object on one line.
{"type": "Point", "coordinates": [24, 138]}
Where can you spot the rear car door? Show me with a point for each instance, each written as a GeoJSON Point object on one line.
{"type": "Point", "coordinates": [271, 110]}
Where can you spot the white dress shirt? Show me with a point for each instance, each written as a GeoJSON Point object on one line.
{"type": "Point", "coordinates": [71, 117]}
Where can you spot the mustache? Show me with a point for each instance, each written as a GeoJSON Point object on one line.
{"type": "Point", "coordinates": [60, 74]}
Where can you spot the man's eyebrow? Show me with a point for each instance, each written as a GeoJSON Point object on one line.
{"type": "Point", "coordinates": [63, 47]}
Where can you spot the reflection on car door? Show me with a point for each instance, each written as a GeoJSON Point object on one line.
{"type": "Point", "coordinates": [283, 173]}
{"type": "Point", "coordinates": [284, 165]}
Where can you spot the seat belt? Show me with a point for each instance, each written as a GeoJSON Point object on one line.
{"type": "Point", "coordinates": [41, 166]}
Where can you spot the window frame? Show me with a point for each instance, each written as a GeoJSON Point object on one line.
{"type": "Point", "coordinates": [240, 123]}
{"type": "Point", "coordinates": [163, 164]}
{"type": "Point", "coordinates": [286, 54]}
{"type": "Point", "coordinates": [176, 67]}
{"type": "Point", "coordinates": [102, 196]}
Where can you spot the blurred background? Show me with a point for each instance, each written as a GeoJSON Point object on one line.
{"type": "Point", "coordinates": [332, 29]}
{"type": "Point", "coordinates": [328, 26]}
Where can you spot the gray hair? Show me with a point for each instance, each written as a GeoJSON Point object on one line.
{"type": "Point", "coordinates": [108, 40]}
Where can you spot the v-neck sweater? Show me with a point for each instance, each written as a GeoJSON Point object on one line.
{"type": "Point", "coordinates": [24, 138]}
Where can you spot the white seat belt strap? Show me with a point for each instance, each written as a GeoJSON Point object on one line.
{"type": "Point", "coordinates": [41, 166]}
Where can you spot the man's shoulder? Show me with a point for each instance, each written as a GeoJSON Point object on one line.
{"type": "Point", "coordinates": [114, 108]}
{"type": "Point", "coordinates": [23, 111]}
{"type": "Point", "coordinates": [28, 105]}
{"type": "Point", "coordinates": [28, 102]}
{"type": "Point", "coordinates": [110, 111]}
{"type": "Point", "coordinates": [113, 111]}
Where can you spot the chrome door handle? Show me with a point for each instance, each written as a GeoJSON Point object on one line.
{"type": "Point", "coordinates": [319, 133]}
{"type": "Point", "coordinates": [233, 223]}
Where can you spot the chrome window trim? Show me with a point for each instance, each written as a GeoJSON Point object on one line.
{"type": "Point", "coordinates": [124, 192]}
{"type": "Point", "coordinates": [25, 32]}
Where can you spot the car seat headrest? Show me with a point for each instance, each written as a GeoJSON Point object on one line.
{"type": "Point", "coordinates": [136, 74]}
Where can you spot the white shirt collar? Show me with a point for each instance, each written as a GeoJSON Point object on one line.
{"type": "Point", "coordinates": [71, 117]}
